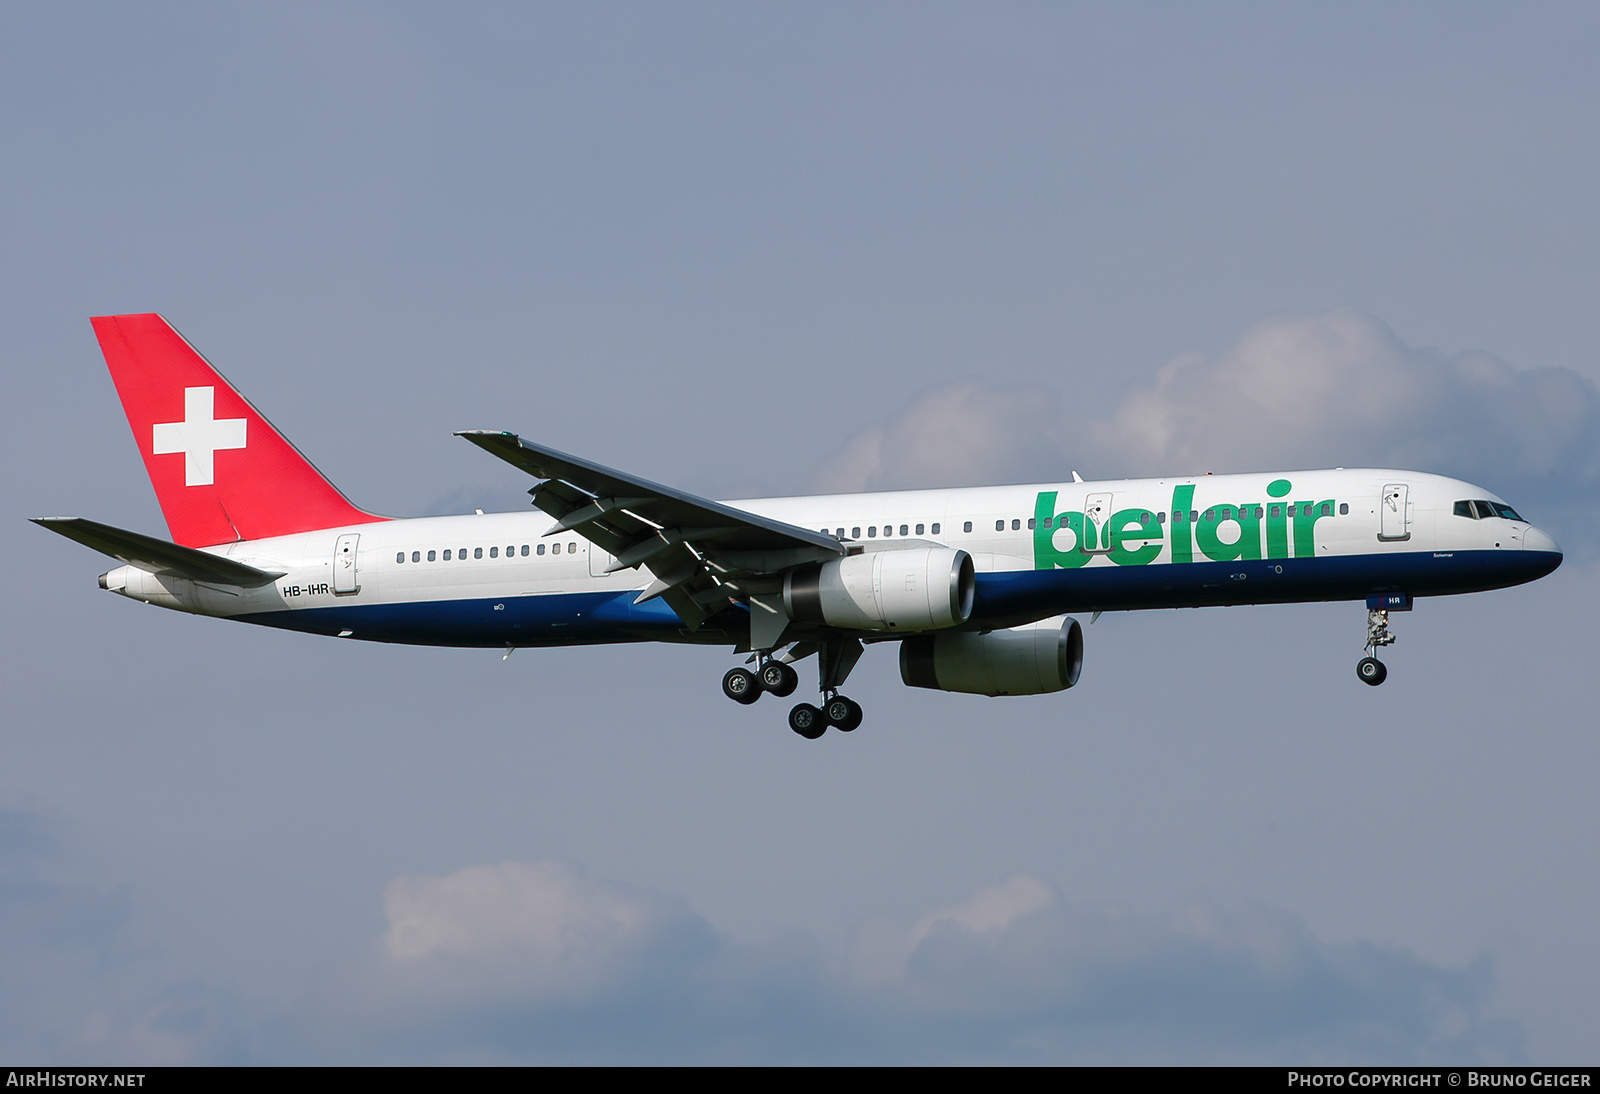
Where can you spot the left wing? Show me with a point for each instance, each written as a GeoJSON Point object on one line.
{"type": "Point", "coordinates": [702, 554]}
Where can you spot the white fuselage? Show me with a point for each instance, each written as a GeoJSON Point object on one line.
{"type": "Point", "coordinates": [499, 580]}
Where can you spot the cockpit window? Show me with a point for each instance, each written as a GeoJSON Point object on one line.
{"type": "Point", "coordinates": [1478, 510]}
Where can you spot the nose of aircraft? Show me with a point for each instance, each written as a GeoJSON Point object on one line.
{"type": "Point", "coordinates": [1535, 539]}
{"type": "Point", "coordinates": [1539, 546]}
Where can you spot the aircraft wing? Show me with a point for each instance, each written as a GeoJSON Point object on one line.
{"type": "Point", "coordinates": [157, 555]}
{"type": "Point", "coordinates": [701, 553]}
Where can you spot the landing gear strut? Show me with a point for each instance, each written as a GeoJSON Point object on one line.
{"type": "Point", "coordinates": [835, 658]}
{"type": "Point", "coordinates": [1369, 670]}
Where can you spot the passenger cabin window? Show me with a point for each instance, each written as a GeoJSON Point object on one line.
{"type": "Point", "coordinates": [935, 529]}
{"type": "Point", "coordinates": [965, 527]}
{"type": "Point", "coordinates": [416, 556]}
{"type": "Point", "coordinates": [401, 557]}
{"type": "Point", "coordinates": [919, 529]}
{"type": "Point", "coordinates": [540, 549]}
{"type": "Point", "coordinates": [430, 556]}
{"type": "Point", "coordinates": [447, 554]}
{"type": "Point", "coordinates": [999, 526]}
{"type": "Point", "coordinates": [903, 530]}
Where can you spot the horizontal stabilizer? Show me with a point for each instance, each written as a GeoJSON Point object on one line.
{"type": "Point", "coordinates": [157, 555]}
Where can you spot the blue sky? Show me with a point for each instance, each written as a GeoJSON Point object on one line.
{"type": "Point", "coordinates": [755, 250]}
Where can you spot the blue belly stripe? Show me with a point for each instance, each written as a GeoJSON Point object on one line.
{"type": "Point", "coordinates": [1003, 599]}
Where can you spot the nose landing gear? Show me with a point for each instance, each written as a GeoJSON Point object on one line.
{"type": "Point", "coordinates": [1369, 670]}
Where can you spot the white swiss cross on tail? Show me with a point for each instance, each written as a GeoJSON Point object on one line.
{"type": "Point", "coordinates": [199, 436]}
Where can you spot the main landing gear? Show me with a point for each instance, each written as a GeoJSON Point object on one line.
{"type": "Point", "coordinates": [1369, 670]}
{"type": "Point", "coordinates": [836, 711]}
{"type": "Point", "coordinates": [835, 659]}
{"type": "Point", "coordinates": [744, 686]}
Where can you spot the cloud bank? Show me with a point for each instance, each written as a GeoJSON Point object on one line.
{"type": "Point", "coordinates": [537, 962]}
{"type": "Point", "coordinates": [1336, 390]}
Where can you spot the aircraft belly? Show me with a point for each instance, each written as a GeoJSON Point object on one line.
{"type": "Point", "coordinates": [544, 619]}
{"type": "Point", "coordinates": [1030, 594]}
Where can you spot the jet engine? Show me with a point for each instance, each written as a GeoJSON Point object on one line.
{"type": "Point", "coordinates": [1028, 660]}
{"type": "Point", "coordinates": [918, 589]}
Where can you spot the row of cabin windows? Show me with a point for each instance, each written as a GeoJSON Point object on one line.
{"type": "Point", "coordinates": [888, 530]}
{"type": "Point", "coordinates": [999, 526]}
{"type": "Point", "coordinates": [494, 552]}
{"type": "Point", "coordinates": [1277, 511]}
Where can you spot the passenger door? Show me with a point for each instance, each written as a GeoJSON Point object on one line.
{"type": "Point", "coordinates": [1394, 513]}
{"type": "Point", "coordinates": [344, 565]}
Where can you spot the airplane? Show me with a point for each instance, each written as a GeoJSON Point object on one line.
{"type": "Point", "coordinates": [976, 585]}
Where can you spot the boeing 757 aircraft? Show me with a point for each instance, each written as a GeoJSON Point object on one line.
{"type": "Point", "coordinates": [975, 585]}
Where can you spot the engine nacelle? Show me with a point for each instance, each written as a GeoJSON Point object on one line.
{"type": "Point", "coordinates": [920, 589]}
{"type": "Point", "coordinates": [1028, 660]}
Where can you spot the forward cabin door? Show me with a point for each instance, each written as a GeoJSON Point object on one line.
{"type": "Point", "coordinates": [1394, 514]}
{"type": "Point", "coordinates": [344, 565]}
{"type": "Point", "coordinates": [1096, 517]}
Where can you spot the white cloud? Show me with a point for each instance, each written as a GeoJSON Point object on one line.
{"type": "Point", "coordinates": [1342, 389]}
{"type": "Point", "coordinates": [537, 931]}
{"type": "Point", "coordinates": [1296, 391]}
{"type": "Point", "coordinates": [948, 437]}
{"type": "Point", "coordinates": [536, 962]}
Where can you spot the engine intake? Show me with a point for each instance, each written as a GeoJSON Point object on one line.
{"type": "Point", "coordinates": [919, 589]}
{"type": "Point", "coordinates": [1029, 660]}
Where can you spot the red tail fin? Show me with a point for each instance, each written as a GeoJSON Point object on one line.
{"type": "Point", "coordinates": [221, 471]}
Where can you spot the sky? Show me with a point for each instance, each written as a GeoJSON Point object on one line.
{"type": "Point", "coordinates": [763, 249]}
